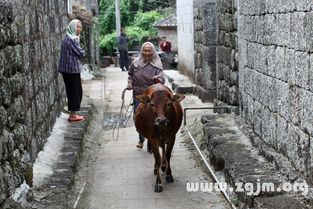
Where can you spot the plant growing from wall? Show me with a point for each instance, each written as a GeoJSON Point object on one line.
{"type": "Point", "coordinates": [80, 12]}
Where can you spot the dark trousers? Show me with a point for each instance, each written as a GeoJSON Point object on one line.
{"type": "Point", "coordinates": [74, 90]}
{"type": "Point", "coordinates": [136, 103]}
{"type": "Point", "coordinates": [123, 60]}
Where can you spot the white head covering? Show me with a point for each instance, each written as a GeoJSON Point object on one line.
{"type": "Point", "coordinates": [139, 62]}
{"type": "Point", "coordinates": [71, 29]}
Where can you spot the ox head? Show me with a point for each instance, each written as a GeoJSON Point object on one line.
{"type": "Point", "coordinates": [162, 105]}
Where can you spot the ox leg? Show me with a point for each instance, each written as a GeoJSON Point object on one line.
{"type": "Point", "coordinates": [163, 166]}
{"type": "Point", "coordinates": [169, 178]}
{"type": "Point", "coordinates": [149, 147]}
{"type": "Point", "coordinates": [158, 184]}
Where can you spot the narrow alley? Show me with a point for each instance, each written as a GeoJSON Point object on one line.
{"type": "Point", "coordinates": [116, 174]}
{"type": "Point", "coordinates": [249, 61]}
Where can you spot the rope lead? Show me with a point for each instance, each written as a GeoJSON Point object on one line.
{"type": "Point", "coordinates": [123, 116]}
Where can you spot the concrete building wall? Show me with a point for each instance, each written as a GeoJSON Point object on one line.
{"type": "Point", "coordinates": [185, 37]}
{"type": "Point", "coordinates": [276, 76]}
{"type": "Point", "coordinates": [31, 89]}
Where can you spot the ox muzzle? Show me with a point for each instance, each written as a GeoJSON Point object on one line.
{"type": "Point", "coordinates": [161, 122]}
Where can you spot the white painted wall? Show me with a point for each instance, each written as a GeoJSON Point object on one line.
{"type": "Point", "coordinates": [185, 37]}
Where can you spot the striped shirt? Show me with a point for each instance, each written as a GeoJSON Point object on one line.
{"type": "Point", "coordinates": [71, 53]}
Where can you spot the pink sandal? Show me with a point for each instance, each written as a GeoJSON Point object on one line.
{"type": "Point", "coordinates": [76, 118]}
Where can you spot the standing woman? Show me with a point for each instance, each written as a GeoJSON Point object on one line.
{"type": "Point", "coordinates": [144, 71]}
{"type": "Point", "coordinates": [70, 66]}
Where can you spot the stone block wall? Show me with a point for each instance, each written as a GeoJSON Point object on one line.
{"type": "Point", "coordinates": [205, 48]}
{"type": "Point", "coordinates": [227, 53]}
{"type": "Point", "coordinates": [276, 76]}
{"type": "Point", "coordinates": [31, 90]}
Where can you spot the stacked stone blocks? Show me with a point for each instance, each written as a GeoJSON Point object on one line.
{"type": "Point", "coordinates": [205, 49]}
{"type": "Point", "coordinates": [276, 45]}
{"type": "Point", "coordinates": [31, 91]}
{"type": "Point", "coordinates": [227, 53]}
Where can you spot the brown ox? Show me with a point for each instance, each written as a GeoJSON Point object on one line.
{"type": "Point", "coordinates": [158, 118]}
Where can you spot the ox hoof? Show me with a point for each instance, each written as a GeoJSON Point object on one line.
{"type": "Point", "coordinates": [158, 188]}
{"type": "Point", "coordinates": [163, 168]}
{"type": "Point", "coordinates": [169, 179]}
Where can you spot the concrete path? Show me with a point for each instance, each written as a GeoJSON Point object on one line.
{"type": "Point", "coordinates": [121, 176]}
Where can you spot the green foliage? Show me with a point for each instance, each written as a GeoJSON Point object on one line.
{"type": "Point", "coordinates": [108, 43]}
{"type": "Point", "coordinates": [107, 16]}
{"type": "Point", "coordinates": [128, 9]}
{"type": "Point", "coordinates": [126, 15]}
{"type": "Point", "coordinates": [157, 4]}
{"type": "Point", "coordinates": [146, 20]}
{"type": "Point", "coordinates": [139, 31]}
{"type": "Point", "coordinates": [107, 13]}
{"type": "Point", "coordinates": [136, 36]}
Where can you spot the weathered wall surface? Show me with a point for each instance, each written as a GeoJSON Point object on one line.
{"type": "Point", "coordinates": [185, 37]}
{"type": "Point", "coordinates": [205, 48]}
{"type": "Point", "coordinates": [91, 30]}
{"type": "Point", "coordinates": [276, 76]}
{"type": "Point", "coordinates": [197, 3]}
{"type": "Point", "coordinates": [227, 53]}
{"type": "Point", "coordinates": [31, 90]}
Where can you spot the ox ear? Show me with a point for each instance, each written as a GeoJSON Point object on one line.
{"type": "Point", "coordinates": [143, 98]}
{"type": "Point", "coordinates": [178, 97]}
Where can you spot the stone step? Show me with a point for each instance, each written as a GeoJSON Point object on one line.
{"type": "Point", "coordinates": [56, 190]}
{"type": "Point", "coordinates": [231, 152]}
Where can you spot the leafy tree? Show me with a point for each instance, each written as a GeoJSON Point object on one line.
{"type": "Point", "coordinates": [107, 16]}
{"type": "Point", "coordinates": [157, 4]}
{"type": "Point", "coordinates": [107, 13]}
{"type": "Point", "coordinates": [107, 43]}
{"type": "Point", "coordinates": [137, 17]}
{"type": "Point", "coordinates": [128, 9]}
{"type": "Point", "coordinates": [146, 20]}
